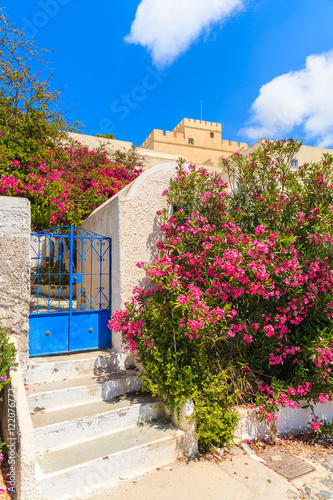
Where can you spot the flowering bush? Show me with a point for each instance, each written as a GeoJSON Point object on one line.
{"type": "Point", "coordinates": [63, 183]}
{"type": "Point", "coordinates": [241, 290]}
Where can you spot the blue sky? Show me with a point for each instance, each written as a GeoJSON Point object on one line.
{"type": "Point", "coordinates": [263, 68]}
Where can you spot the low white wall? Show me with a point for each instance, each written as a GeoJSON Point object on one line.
{"type": "Point", "coordinates": [191, 443]}
{"type": "Point", "coordinates": [290, 420]}
{"type": "Point", "coordinates": [18, 434]}
{"type": "Point", "coordinates": [130, 219]}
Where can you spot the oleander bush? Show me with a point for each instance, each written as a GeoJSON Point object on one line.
{"type": "Point", "coordinates": [240, 306]}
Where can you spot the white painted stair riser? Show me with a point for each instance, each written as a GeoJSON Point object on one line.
{"type": "Point", "coordinates": [85, 480]}
{"type": "Point", "coordinates": [77, 395]}
{"type": "Point", "coordinates": [74, 431]}
{"type": "Point", "coordinates": [53, 370]}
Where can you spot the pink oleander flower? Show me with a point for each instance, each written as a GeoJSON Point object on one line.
{"type": "Point", "coordinates": [315, 425]}
{"type": "Point", "coordinates": [260, 229]}
{"type": "Point", "coordinates": [247, 338]}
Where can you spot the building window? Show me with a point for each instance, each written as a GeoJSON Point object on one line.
{"type": "Point", "coordinates": [294, 163]}
{"type": "Point", "coordinates": [212, 135]}
{"type": "Point", "coordinates": [191, 141]}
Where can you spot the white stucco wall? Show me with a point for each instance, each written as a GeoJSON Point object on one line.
{"type": "Point", "coordinates": [94, 142]}
{"type": "Point", "coordinates": [290, 420]}
{"type": "Point", "coordinates": [130, 219]}
{"type": "Point", "coordinates": [15, 270]}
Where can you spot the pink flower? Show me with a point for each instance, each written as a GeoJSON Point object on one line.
{"type": "Point", "coordinates": [260, 229]}
{"type": "Point", "coordinates": [315, 426]}
{"type": "Point", "coordinates": [247, 338]}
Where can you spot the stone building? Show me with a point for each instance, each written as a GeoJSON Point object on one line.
{"type": "Point", "coordinates": [198, 141]}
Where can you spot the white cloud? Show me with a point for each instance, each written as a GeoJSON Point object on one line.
{"type": "Point", "coordinates": [168, 27]}
{"type": "Point", "coordinates": [300, 98]}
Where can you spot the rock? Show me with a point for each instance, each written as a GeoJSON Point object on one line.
{"type": "Point", "coordinates": [325, 495]}
{"type": "Point", "coordinates": [329, 459]}
{"type": "Point", "coordinates": [327, 481]}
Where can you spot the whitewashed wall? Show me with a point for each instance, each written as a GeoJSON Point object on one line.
{"type": "Point", "coordinates": [290, 420]}
{"type": "Point", "coordinates": [130, 219]}
{"type": "Point", "coordinates": [15, 270]}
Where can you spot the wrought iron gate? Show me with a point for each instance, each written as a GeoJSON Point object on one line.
{"type": "Point", "coordinates": [70, 291]}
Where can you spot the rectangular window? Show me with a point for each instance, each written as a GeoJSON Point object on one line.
{"type": "Point", "coordinates": [294, 163]}
{"type": "Point", "coordinates": [191, 141]}
{"type": "Point", "coordinates": [212, 135]}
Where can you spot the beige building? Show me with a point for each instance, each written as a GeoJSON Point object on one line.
{"type": "Point", "coordinates": [198, 141]}
{"type": "Point", "coordinates": [306, 154]}
{"type": "Point", "coordinates": [150, 157]}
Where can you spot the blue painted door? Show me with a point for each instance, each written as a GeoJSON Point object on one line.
{"type": "Point", "coordinates": [70, 291]}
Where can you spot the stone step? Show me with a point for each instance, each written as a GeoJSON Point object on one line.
{"type": "Point", "coordinates": [53, 368]}
{"type": "Point", "coordinates": [64, 393]}
{"type": "Point", "coordinates": [81, 470]}
{"type": "Point", "coordinates": [76, 423]}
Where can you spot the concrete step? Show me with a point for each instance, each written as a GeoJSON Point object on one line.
{"type": "Point", "coordinates": [53, 368]}
{"type": "Point", "coordinates": [64, 393]}
{"type": "Point", "coordinates": [74, 424]}
{"type": "Point", "coordinates": [81, 470]}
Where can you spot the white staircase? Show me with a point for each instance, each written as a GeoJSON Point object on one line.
{"type": "Point", "coordinates": [92, 426]}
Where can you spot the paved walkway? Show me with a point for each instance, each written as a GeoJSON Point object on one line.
{"type": "Point", "coordinates": [239, 477]}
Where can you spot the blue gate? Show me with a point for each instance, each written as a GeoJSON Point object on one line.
{"type": "Point", "coordinates": [70, 291]}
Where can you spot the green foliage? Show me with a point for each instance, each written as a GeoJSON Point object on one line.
{"type": "Point", "coordinates": [130, 158]}
{"type": "Point", "coordinates": [7, 355]}
{"type": "Point", "coordinates": [29, 120]}
{"type": "Point", "coordinates": [214, 415]}
{"type": "Point", "coordinates": [49, 275]}
{"type": "Point", "coordinates": [106, 136]}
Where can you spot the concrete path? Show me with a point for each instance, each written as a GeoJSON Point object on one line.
{"type": "Point", "coordinates": [239, 477]}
